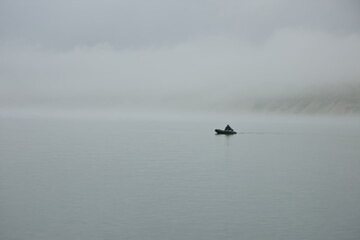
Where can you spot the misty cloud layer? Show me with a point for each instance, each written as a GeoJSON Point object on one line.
{"type": "Point", "coordinates": [171, 52]}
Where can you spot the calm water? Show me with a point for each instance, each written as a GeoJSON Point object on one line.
{"type": "Point", "coordinates": [280, 178]}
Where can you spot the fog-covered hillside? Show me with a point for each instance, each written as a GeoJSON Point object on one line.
{"type": "Point", "coordinates": [337, 99]}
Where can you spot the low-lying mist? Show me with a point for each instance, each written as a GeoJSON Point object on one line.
{"type": "Point", "coordinates": [294, 71]}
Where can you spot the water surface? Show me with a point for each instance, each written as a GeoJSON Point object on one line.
{"type": "Point", "coordinates": [279, 178]}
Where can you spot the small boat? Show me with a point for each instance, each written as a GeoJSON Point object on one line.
{"type": "Point", "coordinates": [226, 132]}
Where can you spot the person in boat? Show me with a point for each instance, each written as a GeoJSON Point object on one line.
{"type": "Point", "coordinates": [228, 128]}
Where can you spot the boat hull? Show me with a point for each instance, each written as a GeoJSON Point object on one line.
{"type": "Point", "coordinates": [220, 131]}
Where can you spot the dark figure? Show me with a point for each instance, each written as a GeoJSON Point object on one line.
{"type": "Point", "coordinates": [228, 128]}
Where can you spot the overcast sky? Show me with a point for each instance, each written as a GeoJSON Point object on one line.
{"type": "Point", "coordinates": [142, 49]}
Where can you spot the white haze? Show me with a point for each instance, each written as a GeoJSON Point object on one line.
{"type": "Point", "coordinates": [155, 53]}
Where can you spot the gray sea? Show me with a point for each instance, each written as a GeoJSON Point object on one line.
{"type": "Point", "coordinates": [164, 178]}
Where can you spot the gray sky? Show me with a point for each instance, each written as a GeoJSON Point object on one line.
{"type": "Point", "coordinates": [137, 50]}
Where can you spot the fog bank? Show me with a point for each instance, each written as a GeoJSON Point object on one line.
{"type": "Point", "coordinates": [234, 55]}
